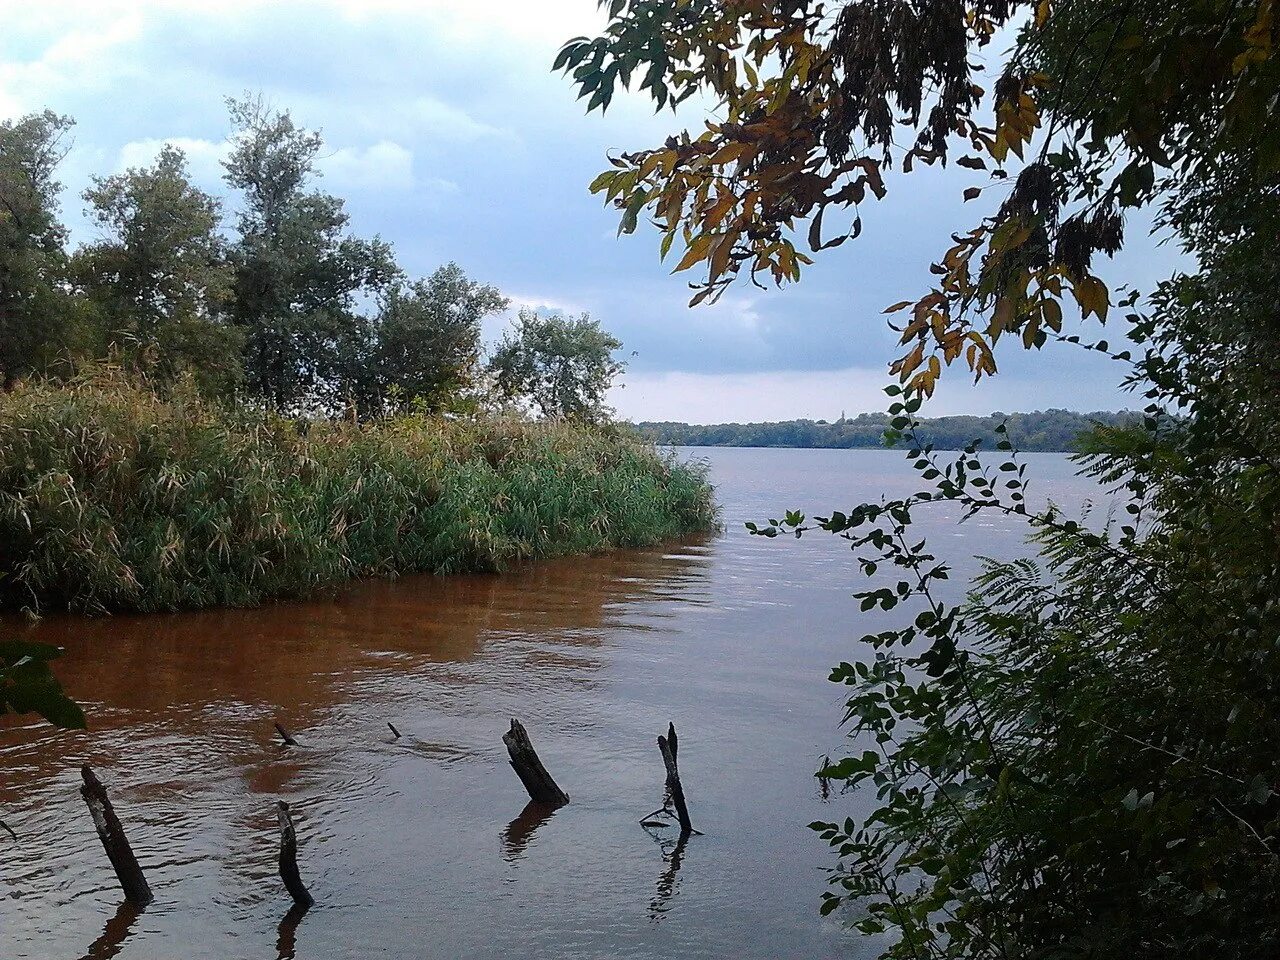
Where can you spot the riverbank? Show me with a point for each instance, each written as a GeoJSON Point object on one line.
{"type": "Point", "coordinates": [113, 499]}
{"type": "Point", "coordinates": [1041, 431]}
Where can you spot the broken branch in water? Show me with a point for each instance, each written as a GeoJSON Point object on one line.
{"type": "Point", "coordinates": [675, 804]}
{"type": "Point", "coordinates": [111, 833]}
{"type": "Point", "coordinates": [394, 731]}
{"type": "Point", "coordinates": [289, 858]}
{"type": "Point", "coordinates": [285, 736]}
{"type": "Point", "coordinates": [524, 760]}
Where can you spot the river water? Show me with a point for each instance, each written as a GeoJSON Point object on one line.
{"type": "Point", "coordinates": [418, 847]}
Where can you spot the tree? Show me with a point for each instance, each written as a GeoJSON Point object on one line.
{"type": "Point", "coordinates": [37, 324]}
{"type": "Point", "coordinates": [815, 106]}
{"type": "Point", "coordinates": [563, 366]}
{"type": "Point", "coordinates": [160, 277]}
{"type": "Point", "coordinates": [299, 278]}
{"type": "Point", "coordinates": [428, 339]}
{"type": "Point", "coordinates": [1081, 759]}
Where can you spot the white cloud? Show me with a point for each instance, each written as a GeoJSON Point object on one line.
{"type": "Point", "coordinates": [204, 157]}
{"type": "Point", "coordinates": [543, 303]}
{"type": "Point", "coordinates": [749, 397]}
{"type": "Point", "coordinates": [438, 119]}
{"type": "Point", "coordinates": [383, 166]}
{"type": "Point", "coordinates": [826, 394]}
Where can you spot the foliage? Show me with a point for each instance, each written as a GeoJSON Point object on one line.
{"type": "Point", "coordinates": [290, 310]}
{"type": "Point", "coordinates": [813, 105]}
{"type": "Point", "coordinates": [160, 279]}
{"type": "Point", "coordinates": [428, 340]}
{"type": "Point", "coordinates": [113, 499]}
{"type": "Point", "coordinates": [27, 684]}
{"type": "Point", "coordinates": [36, 322]}
{"type": "Point", "coordinates": [298, 276]}
{"type": "Point", "coordinates": [1079, 760]}
{"type": "Point", "coordinates": [563, 365]}
{"type": "Point", "coordinates": [1055, 430]}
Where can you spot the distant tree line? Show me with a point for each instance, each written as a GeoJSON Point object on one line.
{"type": "Point", "coordinates": [280, 305]}
{"type": "Point", "coordinates": [1040, 430]}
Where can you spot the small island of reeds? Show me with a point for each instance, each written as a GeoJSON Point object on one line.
{"type": "Point", "coordinates": [114, 498]}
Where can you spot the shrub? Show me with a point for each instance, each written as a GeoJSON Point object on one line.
{"type": "Point", "coordinates": [115, 499]}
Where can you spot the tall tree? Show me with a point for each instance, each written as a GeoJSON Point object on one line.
{"type": "Point", "coordinates": [160, 277]}
{"type": "Point", "coordinates": [428, 338]}
{"type": "Point", "coordinates": [563, 366]}
{"type": "Point", "coordinates": [37, 324]}
{"type": "Point", "coordinates": [300, 279]}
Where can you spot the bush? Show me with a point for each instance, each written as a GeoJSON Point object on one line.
{"type": "Point", "coordinates": [115, 499]}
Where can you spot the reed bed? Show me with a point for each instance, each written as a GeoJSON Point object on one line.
{"type": "Point", "coordinates": [115, 499]}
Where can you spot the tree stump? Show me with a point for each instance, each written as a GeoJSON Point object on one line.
{"type": "Point", "coordinates": [524, 760]}
{"type": "Point", "coordinates": [111, 833]}
{"type": "Point", "coordinates": [289, 858]}
{"type": "Point", "coordinates": [669, 746]}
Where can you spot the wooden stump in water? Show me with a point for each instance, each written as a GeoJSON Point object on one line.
{"type": "Point", "coordinates": [669, 746]}
{"type": "Point", "coordinates": [111, 833]}
{"type": "Point", "coordinates": [289, 858]}
{"type": "Point", "coordinates": [286, 736]}
{"type": "Point", "coordinates": [524, 760]}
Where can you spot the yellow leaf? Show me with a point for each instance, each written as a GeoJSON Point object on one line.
{"type": "Point", "coordinates": [697, 251]}
{"type": "Point", "coordinates": [1091, 293]}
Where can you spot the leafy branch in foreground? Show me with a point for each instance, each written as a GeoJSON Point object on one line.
{"type": "Point", "coordinates": [27, 684]}
{"type": "Point", "coordinates": [814, 104]}
{"type": "Point", "coordinates": [1081, 759]}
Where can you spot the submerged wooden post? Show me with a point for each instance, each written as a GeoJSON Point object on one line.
{"type": "Point", "coordinates": [394, 731]}
{"type": "Point", "coordinates": [285, 736]}
{"type": "Point", "coordinates": [289, 858]}
{"type": "Point", "coordinates": [524, 760]}
{"type": "Point", "coordinates": [111, 833]}
{"type": "Point", "coordinates": [669, 746]}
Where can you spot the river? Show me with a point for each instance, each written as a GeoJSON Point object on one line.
{"type": "Point", "coordinates": [416, 847]}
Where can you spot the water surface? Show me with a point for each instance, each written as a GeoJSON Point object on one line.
{"type": "Point", "coordinates": [421, 847]}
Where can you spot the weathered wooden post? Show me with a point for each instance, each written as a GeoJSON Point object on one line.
{"type": "Point", "coordinates": [524, 760]}
{"type": "Point", "coordinates": [669, 746]}
{"type": "Point", "coordinates": [285, 736]}
{"type": "Point", "coordinates": [394, 732]}
{"type": "Point", "coordinates": [289, 858]}
{"type": "Point", "coordinates": [111, 833]}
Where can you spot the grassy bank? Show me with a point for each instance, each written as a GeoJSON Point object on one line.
{"type": "Point", "coordinates": [112, 499]}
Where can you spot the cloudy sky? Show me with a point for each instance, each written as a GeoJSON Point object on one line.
{"type": "Point", "coordinates": [449, 137]}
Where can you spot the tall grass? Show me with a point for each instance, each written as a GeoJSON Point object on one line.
{"type": "Point", "coordinates": [113, 499]}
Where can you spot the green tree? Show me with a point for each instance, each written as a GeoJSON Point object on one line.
{"type": "Point", "coordinates": [160, 278]}
{"type": "Point", "coordinates": [38, 325]}
{"type": "Point", "coordinates": [428, 339]}
{"type": "Point", "coordinates": [300, 279]}
{"type": "Point", "coordinates": [1081, 760]}
{"type": "Point", "coordinates": [563, 366]}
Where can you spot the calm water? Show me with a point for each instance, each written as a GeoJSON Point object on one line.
{"type": "Point", "coordinates": [417, 847]}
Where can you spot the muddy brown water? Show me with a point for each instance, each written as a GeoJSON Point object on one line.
{"type": "Point", "coordinates": [421, 847]}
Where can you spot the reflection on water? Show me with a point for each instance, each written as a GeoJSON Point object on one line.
{"type": "Point", "coordinates": [287, 932]}
{"type": "Point", "coordinates": [518, 833]}
{"type": "Point", "coordinates": [402, 839]}
{"type": "Point", "coordinates": [116, 932]}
